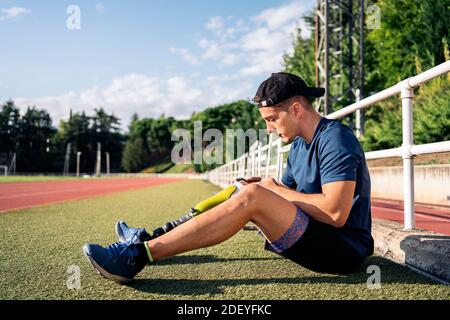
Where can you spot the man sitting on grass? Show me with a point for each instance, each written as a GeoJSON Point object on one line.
{"type": "Point", "coordinates": [318, 216]}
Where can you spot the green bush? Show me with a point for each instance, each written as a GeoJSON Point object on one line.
{"type": "Point", "coordinates": [431, 114]}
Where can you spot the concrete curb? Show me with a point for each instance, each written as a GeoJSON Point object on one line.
{"type": "Point", "coordinates": [424, 250]}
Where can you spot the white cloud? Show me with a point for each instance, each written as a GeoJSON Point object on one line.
{"type": "Point", "coordinates": [212, 49]}
{"type": "Point", "coordinates": [276, 18]}
{"type": "Point", "coordinates": [186, 55]}
{"type": "Point", "coordinates": [215, 24]}
{"type": "Point", "coordinates": [230, 59]}
{"type": "Point", "coordinates": [263, 39]}
{"type": "Point", "coordinates": [264, 63]}
{"type": "Point", "coordinates": [226, 53]}
{"type": "Point", "coordinates": [147, 95]}
{"type": "Point", "coordinates": [240, 23]}
{"type": "Point", "coordinates": [13, 13]}
{"type": "Point", "coordinates": [222, 29]}
{"type": "Point", "coordinates": [99, 8]}
{"type": "Point", "coordinates": [256, 46]}
{"type": "Point", "coordinates": [272, 37]}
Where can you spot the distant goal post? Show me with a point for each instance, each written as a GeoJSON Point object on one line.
{"type": "Point", "coordinates": [4, 170]}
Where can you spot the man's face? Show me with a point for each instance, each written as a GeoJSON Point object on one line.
{"type": "Point", "coordinates": [279, 119]}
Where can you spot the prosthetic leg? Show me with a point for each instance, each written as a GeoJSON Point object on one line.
{"type": "Point", "coordinates": [201, 207]}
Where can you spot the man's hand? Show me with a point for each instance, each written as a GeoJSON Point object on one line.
{"type": "Point", "coordinates": [269, 183]}
{"type": "Point", "coordinates": [250, 180]}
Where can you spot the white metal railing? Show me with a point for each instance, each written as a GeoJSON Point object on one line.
{"type": "Point", "coordinates": [259, 155]}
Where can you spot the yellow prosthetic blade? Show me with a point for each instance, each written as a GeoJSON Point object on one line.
{"type": "Point", "coordinates": [215, 200]}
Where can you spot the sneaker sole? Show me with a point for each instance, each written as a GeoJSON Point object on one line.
{"type": "Point", "coordinates": [105, 274]}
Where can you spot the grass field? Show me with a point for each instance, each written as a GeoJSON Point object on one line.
{"type": "Point", "coordinates": [38, 245]}
{"type": "Point", "coordinates": [168, 167]}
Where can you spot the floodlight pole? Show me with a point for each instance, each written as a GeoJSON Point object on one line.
{"type": "Point", "coordinates": [107, 162]}
{"type": "Point", "coordinates": [99, 159]}
{"type": "Point", "coordinates": [67, 160]}
{"type": "Point", "coordinates": [78, 163]}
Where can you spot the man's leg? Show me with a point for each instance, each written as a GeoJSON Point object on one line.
{"type": "Point", "coordinates": [270, 212]}
{"type": "Point", "coordinates": [127, 234]}
{"type": "Point", "coordinates": [273, 214]}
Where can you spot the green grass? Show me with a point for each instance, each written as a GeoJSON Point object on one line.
{"type": "Point", "coordinates": [167, 167]}
{"type": "Point", "coordinates": [179, 168]}
{"type": "Point", "coordinates": [158, 168]}
{"type": "Point", "coordinates": [38, 245]}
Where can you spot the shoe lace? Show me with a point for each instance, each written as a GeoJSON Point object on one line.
{"type": "Point", "coordinates": [122, 252]}
{"type": "Point", "coordinates": [136, 235]}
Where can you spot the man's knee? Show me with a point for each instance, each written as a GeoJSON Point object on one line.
{"type": "Point", "coordinates": [251, 196]}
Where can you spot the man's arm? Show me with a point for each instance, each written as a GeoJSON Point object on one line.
{"type": "Point", "coordinates": [332, 206]}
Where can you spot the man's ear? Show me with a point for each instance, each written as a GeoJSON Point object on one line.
{"type": "Point", "coordinates": [297, 110]}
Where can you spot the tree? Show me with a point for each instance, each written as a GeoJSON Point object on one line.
{"type": "Point", "coordinates": [34, 137]}
{"type": "Point", "coordinates": [9, 127]}
{"type": "Point", "coordinates": [431, 115]}
{"type": "Point", "coordinates": [106, 130]}
{"type": "Point", "coordinates": [134, 155]}
{"type": "Point", "coordinates": [83, 132]}
{"type": "Point", "coordinates": [432, 112]}
{"type": "Point", "coordinates": [411, 39]}
{"type": "Point", "coordinates": [301, 62]}
{"type": "Point", "coordinates": [159, 138]}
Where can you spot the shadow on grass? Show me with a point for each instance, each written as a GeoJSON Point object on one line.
{"type": "Point", "coordinates": [192, 259]}
{"type": "Point", "coordinates": [391, 273]}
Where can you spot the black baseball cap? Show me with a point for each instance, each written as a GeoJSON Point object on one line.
{"type": "Point", "coordinates": [281, 86]}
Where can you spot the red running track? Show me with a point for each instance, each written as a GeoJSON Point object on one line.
{"type": "Point", "coordinates": [427, 218]}
{"type": "Point", "coordinates": [19, 195]}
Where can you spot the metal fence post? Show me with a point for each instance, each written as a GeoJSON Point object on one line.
{"type": "Point", "coordinates": [252, 153]}
{"type": "Point", "coordinates": [407, 94]}
{"type": "Point", "coordinates": [279, 160]}
{"type": "Point", "coordinates": [268, 155]}
{"type": "Point", "coordinates": [259, 158]}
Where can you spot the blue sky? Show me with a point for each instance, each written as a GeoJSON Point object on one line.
{"type": "Point", "coordinates": [149, 57]}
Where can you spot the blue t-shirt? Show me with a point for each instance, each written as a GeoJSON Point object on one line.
{"type": "Point", "coordinates": [334, 155]}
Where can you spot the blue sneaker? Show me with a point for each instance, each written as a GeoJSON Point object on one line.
{"type": "Point", "coordinates": [119, 262]}
{"type": "Point", "coordinates": [134, 235]}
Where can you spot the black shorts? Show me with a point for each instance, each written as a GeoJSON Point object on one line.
{"type": "Point", "coordinates": [321, 249]}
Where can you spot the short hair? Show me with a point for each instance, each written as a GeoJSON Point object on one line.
{"type": "Point", "coordinates": [304, 101]}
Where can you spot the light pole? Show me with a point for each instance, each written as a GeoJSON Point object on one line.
{"type": "Point", "coordinates": [67, 160]}
{"type": "Point", "coordinates": [107, 162]}
{"type": "Point", "coordinates": [78, 163]}
{"type": "Point", "coordinates": [98, 164]}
